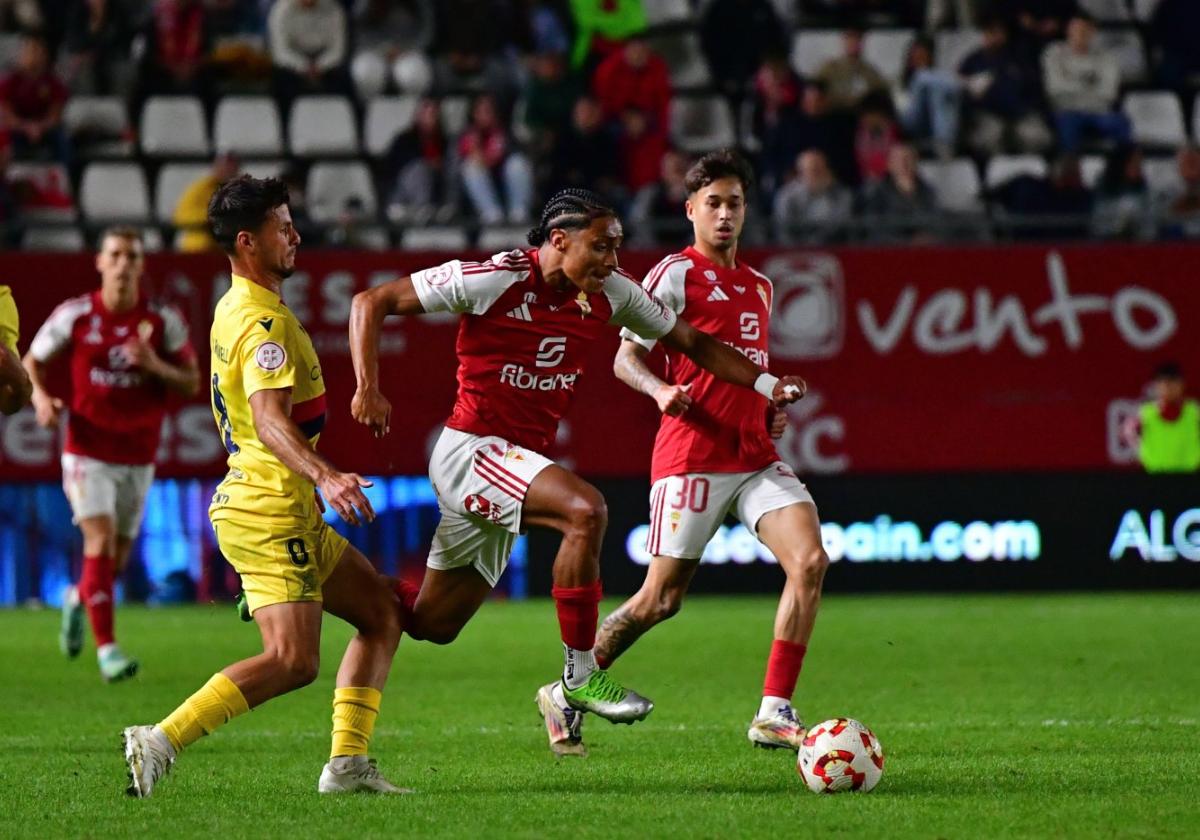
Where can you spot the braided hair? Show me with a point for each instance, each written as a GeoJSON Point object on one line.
{"type": "Point", "coordinates": [570, 209]}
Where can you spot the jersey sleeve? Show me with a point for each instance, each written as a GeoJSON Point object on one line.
{"type": "Point", "coordinates": [461, 287]}
{"type": "Point", "coordinates": [10, 326]}
{"type": "Point", "coordinates": [646, 317]}
{"type": "Point", "coordinates": [175, 334]}
{"type": "Point", "coordinates": [666, 287]}
{"type": "Point", "coordinates": [55, 334]}
{"type": "Point", "coordinates": [267, 358]}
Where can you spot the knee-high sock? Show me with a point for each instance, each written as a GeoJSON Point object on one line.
{"type": "Point", "coordinates": [354, 713]}
{"type": "Point", "coordinates": [96, 594]}
{"type": "Point", "coordinates": [578, 610]}
{"type": "Point", "coordinates": [218, 702]}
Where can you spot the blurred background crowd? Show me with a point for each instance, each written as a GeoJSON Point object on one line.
{"type": "Point", "coordinates": [438, 125]}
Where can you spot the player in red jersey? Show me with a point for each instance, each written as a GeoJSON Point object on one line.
{"type": "Point", "coordinates": [714, 453]}
{"type": "Point", "coordinates": [528, 317]}
{"type": "Point", "coordinates": [126, 355]}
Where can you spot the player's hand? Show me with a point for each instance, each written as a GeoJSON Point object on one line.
{"type": "Point", "coordinates": [777, 422]}
{"type": "Point", "coordinates": [47, 409]}
{"type": "Point", "coordinates": [139, 354]}
{"type": "Point", "coordinates": [788, 390]}
{"type": "Point", "coordinates": [673, 400]}
{"type": "Point", "coordinates": [344, 492]}
{"type": "Point", "coordinates": [371, 408]}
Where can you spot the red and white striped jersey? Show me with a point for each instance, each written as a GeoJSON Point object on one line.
{"type": "Point", "coordinates": [725, 429]}
{"type": "Point", "coordinates": [521, 341]}
{"type": "Point", "coordinates": [116, 411]}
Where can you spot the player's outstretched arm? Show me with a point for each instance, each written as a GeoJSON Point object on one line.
{"type": "Point", "coordinates": [367, 311]}
{"type": "Point", "coordinates": [727, 364]}
{"type": "Point", "coordinates": [47, 406]}
{"type": "Point", "coordinates": [15, 386]}
{"type": "Point", "coordinates": [630, 367]}
{"type": "Point", "coordinates": [280, 434]}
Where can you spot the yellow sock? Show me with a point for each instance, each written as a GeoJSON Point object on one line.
{"type": "Point", "coordinates": [218, 702]}
{"type": "Point", "coordinates": [354, 713]}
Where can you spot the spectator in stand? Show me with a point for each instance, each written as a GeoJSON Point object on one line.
{"type": "Point", "coordinates": [31, 103]}
{"type": "Point", "coordinates": [11, 225]}
{"type": "Point", "coordinates": [307, 39]}
{"type": "Point", "coordinates": [601, 26]}
{"type": "Point", "coordinates": [1123, 207]}
{"type": "Point", "coordinates": [1175, 28]}
{"type": "Point", "coordinates": [418, 170]}
{"type": "Point", "coordinates": [97, 43]}
{"type": "Point", "coordinates": [1180, 205]}
{"type": "Point", "coordinates": [875, 138]}
{"type": "Point", "coordinates": [490, 166]}
{"type": "Point", "coordinates": [1082, 83]}
{"type": "Point", "coordinates": [813, 207]}
{"type": "Point", "coordinates": [832, 133]}
{"type": "Point", "coordinates": [777, 116]}
{"type": "Point", "coordinates": [736, 36]}
{"type": "Point", "coordinates": [654, 216]}
{"type": "Point", "coordinates": [391, 37]}
{"type": "Point", "coordinates": [191, 210]}
{"type": "Point", "coordinates": [1033, 25]}
{"type": "Point", "coordinates": [177, 44]}
{"type": "Point", "coordinates": [1002, 98]}
{"type": "Point", "coordinates": [548, 100]}
{"type": "Point", "coordinates": [851, 77]}
{"type": "Point", "coordinates": [471, 37]}
{"type": "Point", "coordinates": [548, 28]}
{"type": "Point", "coordinates": [1056, 207]}
{"type": "Point", "coordinates": [932, 110]}
{"type": "Point", "coordinates": [239, 57]}
{"type": "Point", "coordinates": [588, 155]}
{"type": "Point", "coordinates": [21, 16]}
{"type": "Point", "coordinates": [902, 204]}
{"type": "Point", "coordinates": [634, 91]}
{"type": "Point", "coordinates": [1167, 430]}
{"type": "Point", "coordinates": [939, 13]}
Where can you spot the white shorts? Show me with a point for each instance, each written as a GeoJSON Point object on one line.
{"type": "Point", "coordinates": [686, 510]}
{"type": "Point", "coordinates": [481, 484]}
{"type": "Point", "coordinates": [98, 488]}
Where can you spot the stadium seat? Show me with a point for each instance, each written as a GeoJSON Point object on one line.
{"type": "Point", "coordinates": [10, 47]}
{"type": "Point", "coordinates": [701, 123]}
{"type": "Point", "coordinates": [1162, 174]}
{"type": "Point", "coordinates": [1107, 11]}
{"type": "Point", "coordinates": [1126, 45]}
{"type": "Point", "coordinates": [887, 49]}
{"type": "Point", "coordinates": [374, 238]}
{"type": "Point", "coordinates": [174, 126]}
{"type": "Point", "coordinates": [1143, 10]}
{"type": "Point", "coordinates": [659, 12]}
{"type": "Point", "coordinates": [322, 125]}
{"type": "Point", "coordinates": [953, 45]}
{"type": "Point", "coordinates": [434, 239]}
{"type": "Point", "coordinates": [53, 239]}
{"type": "Point", "coordinates": [956, 183]}
{"type": "Point", "coordinates": [51, 187]}
{"type": "Point", "coordinates": [455, 112]}
{"type": "Point", "coordinates": [369, 71]}
{"type": "Point", "coordinates": [812, 48]}
{"type": "Point", "coordinates": [264, 168]}
{"type": "Point", "coordinates": [99, 126]}
{"type": "Point", "coordinates": [501, 238]}
{"type": "Point", "coordinates": [331, 185]}
{"type": "Point", "coordinates": [173, 179]}
{"type": "Point", "coordinates": [1156, 116]}
{"type": "Point", "coordinates": [114, 192]}
{"type": "Point", "coordinates": [387, 116]}
{"type": "Point", "coordinates": [685, 61]}
{"type": "Point", "coordinates": [152, 240]}
{"type": "Point", "coordinates": [248, 126]}
{"type": "Point", "coordinates": [1091, 167]}
{"type": "Point", "coordinates": [1196, 118]}
{"type": "Point", "coordinates": [1002, 168]}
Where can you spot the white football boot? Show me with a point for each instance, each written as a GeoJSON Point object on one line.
{"type": "Point", "coordinates": [355, 774]}
{"type": "Point", "coordinates": [149, 756]}
{"type": "Point", "coordinates": [781, 730]}
{"type": "Point", "coordinates": [564, 725]}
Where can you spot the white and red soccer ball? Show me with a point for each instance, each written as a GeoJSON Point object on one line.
{"type": "Point", "coordinates": [840, 755]}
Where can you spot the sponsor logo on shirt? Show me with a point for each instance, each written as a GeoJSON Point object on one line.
{"type": "Point", "coordinates": [551, 351]}
{"type": "Point", "coordinates": [520, 313]}
{"type": "Point", "coordinates": [717, 294]}
{"type": "Point", "coordinates": [524, 380]}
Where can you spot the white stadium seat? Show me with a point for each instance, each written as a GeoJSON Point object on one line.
{"type": "Point", "coordinates": [812, 48]}
{"type": "Point", "coordinates": [886, 49]}
{"type": "Point", "coordinates": [1143, 10]}
{"type": "Point", "coordinates": [501, 238]}
{"type": "Point", "coordinates": [331, 185]}
{"type": "Point", "coordinates": [115, 192]}
{"type": "Point", "coordinates": [1002, 168]}
{"type": "Point", "coordinates": [1126, 45]}
{"type": "Point", "coordinates": [701, 123]}
{"type": "Point", "coordinates": [53, 239]}
{"type": "Point", "coordinates": [1156, 116]}
{"type": "Point", "coordinates": [666, 11]}
{"type": "Point", "coordinates": [685, 61]}
{"type": "Point", "coordinates": [1196, 118]}
{"type": "Point", "coordinates": [387, 117]}
{"type": "Point", "coordinates": [248, 126]}
{"type": "Point", "coordinates": [953, 45]}
{"type": "Point", "coordinates": [1091, 167]}
{"type": "Point", "coordinates": [100, 117]}
{"type": "Point", "coordinates": [455, 111]}
{"type": "Point", "coordinates": [434, 239]}
{"type": "Point", "coordinates": [1162, 175]}
{"type": "Point", "coordinates": [322, 125]}
{"type": "Point", "coordinates": [174, 126]}
{"type": "Point", "coordinates": [956, 183]}
{"type": "Point", "coordinates": [173, 179]}
{"type": "Point", "coordinates": [264, 168]}
{"type": "Point", "coordinates": [1107, 11]}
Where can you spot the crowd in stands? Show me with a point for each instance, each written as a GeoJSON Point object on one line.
{"type": "Point", "coordinates": [867, 120]}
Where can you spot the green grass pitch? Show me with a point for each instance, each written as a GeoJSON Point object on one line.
{"type": "Point", "coordinates": [1001, 716]}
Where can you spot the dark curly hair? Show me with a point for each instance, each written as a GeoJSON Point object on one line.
{"type": "Point", "coordinates": [242, 203]}
{"type": "Point", "coordinates": [571, 209]}
{"type": "Point", "coordinates": [724, 163]}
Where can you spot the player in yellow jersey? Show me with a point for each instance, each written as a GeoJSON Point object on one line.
{"type": "Point", "coordinates": [268, 398]}
{"type": "Point", "coordinates": [15, 387]}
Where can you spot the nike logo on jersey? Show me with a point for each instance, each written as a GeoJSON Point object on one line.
{"type": "Point", "coordinates": [521, 313]}
{"type": "Point", "coordinates": [266, 323]}
{"type": "Point", "coordinates": [718, 294]}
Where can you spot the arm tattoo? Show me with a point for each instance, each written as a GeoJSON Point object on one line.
{"type": "Point", "coordinates": [617, 633]}
{"type": "Point", "coordinates": [633, 371]}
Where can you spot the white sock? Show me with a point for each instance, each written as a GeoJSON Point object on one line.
{"type": "Point", "coordinates": [103, 650]}
{"type": "Point", "coordinates": [577, 666]}
{"type": "Point", "coordinates": [770, 705]}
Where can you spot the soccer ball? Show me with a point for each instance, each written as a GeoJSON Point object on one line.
{"type": "Point", "coordinates": [839, 755]}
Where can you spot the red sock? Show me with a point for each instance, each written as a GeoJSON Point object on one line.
{"type": "Point", "coordinates": [407, 592]}
{"type": "Point", "coordinates": [578, 612]}
{"type": "Point", "coordinates": [783, 668]}
{"type": "Point", "coordinates": [96, 593]}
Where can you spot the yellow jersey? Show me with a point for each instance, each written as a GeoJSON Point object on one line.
{"type": "Point", "coordinates": [10, 325]}
{"type": "Point", "coordinates": [258, 344]}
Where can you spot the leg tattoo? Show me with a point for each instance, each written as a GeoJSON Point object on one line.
{"type": "Point", "coordinates": [617, 633]}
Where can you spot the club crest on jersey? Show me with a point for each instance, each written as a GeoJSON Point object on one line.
{"type": "Point", "coordinates": [513, 454]}
{"type": "Point", "coordinates": [439, 275]}
{"type": "Point", "coordinates": [270, 356]}
{"type": "Point", "coordinates": [585, 306]}
{"type": "Point", "coordinates": [145, 329]}
{"type": "Point", "coordinates": [762, 293]}
{"type": "Point", "coordinates": [483, 507]}
{"type": "Point", "coordinates": [121, 331]}
{"type": "Point", "coordinates": [675, 517]}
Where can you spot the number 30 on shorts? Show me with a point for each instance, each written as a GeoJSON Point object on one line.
{"type": "Point", "coordinates": [693, 494]}
{"type": "Point", "coordinates": [298, 551]}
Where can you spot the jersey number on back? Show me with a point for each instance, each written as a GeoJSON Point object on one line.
{"type": "Point", "coordinates": [223, 424]}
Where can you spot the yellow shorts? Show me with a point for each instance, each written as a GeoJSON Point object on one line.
{"type": "Point", "coordinates": [280, 562]}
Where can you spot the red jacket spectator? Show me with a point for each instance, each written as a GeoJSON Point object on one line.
{"type": "Point", "coordinates": [31, 102]}
{"type": "Point", "coordinates": [634, 78]}
{"type": "Point", "coordinates": [179, 37]}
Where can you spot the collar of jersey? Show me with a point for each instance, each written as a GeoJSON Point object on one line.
{"type": "Point", "coordinates": [699, 258]}
{"type": "Point", "coordinates": [254, 291]}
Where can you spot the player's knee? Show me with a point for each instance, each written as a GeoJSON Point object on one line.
{"type": "Point", "coordinates": [587, 514]}
{"type": "Point", "coordinates": [440, 634]}
{"type": "Point", "coordinates": [811, 566]}
{"type": "Point", "coordinates": [298, 667]}
{"type": "Point", "coordinates": [666, 604]}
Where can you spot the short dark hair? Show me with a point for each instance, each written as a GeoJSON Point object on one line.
{"type": "Point", "coordinates": [1168, 370]}
{"type": "Point", "coordinates": [242, 203]}
{"type": "Point", "coordinates": [724, 163]}
{"type": "Point", "coordinates": [569, 209]}
{"type": "Point", "coordinates": [121, 232]}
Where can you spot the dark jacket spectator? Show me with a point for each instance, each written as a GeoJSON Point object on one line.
{"type": "Point", "coordinates": [97, 42]}
{"type": "Point", "coordinates": [813, 207]}
{"type": "Point", "coordinates": [588, 154]}
{"type": "Point", "coordinates": [902, 202]}
{"type": "Point", "coordinates": [1123, 207]}
{"type": "Point", "coordinates": [656, 215]}
{"type": "Point", "coordinates": [1174, 28]}
{"type": "Point", "coordinates": [777, 93]}
{"type": "Point", "coordinates": [31, 103]}
{"type": "Point", "coordinates": [177, 44]}
{"type": "Point", "coordinates": [832, 133]}
{"type": "Point", "coordinates": [1054, 207]}
{"type": "Point", "coordinates": [418, 167]}
{"type": "Point", "coordinates": [1002, 97]}
{"type": "Point", "coordinates": [550, 95]}
{"type": "Point", "coordinates": [472, 37]}
{"type": "Point", "coordinates": [735, 36]}
{"type": "Point", "coordinates": [1180, 205]}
